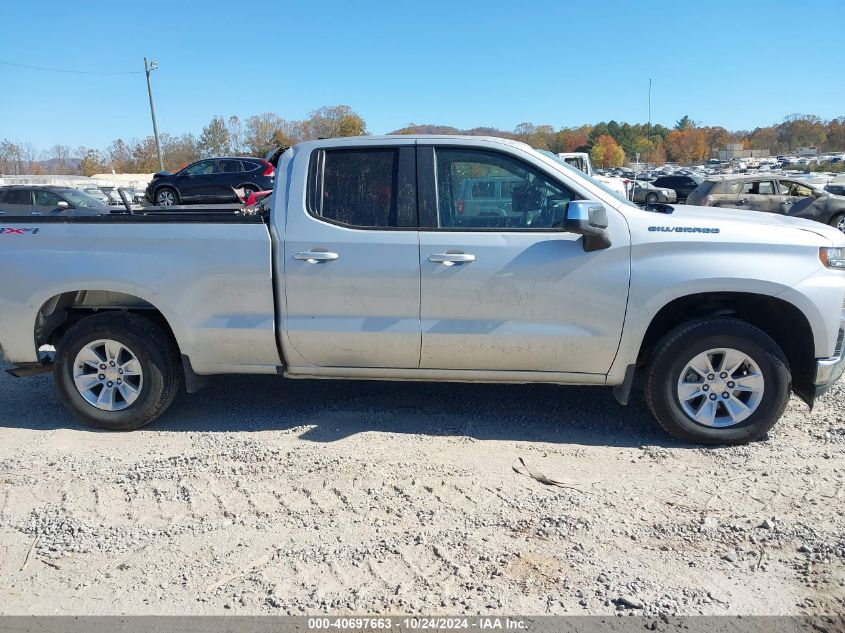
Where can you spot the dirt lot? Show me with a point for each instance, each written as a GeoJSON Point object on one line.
{"type": "Point", "coordinates": [265, 496]}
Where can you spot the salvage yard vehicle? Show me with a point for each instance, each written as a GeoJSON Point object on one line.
{"type": "Point", "coordinates": [647, 193]}
{"type": "Point", "coordinates": [35, 200]}
{"type": "Point", "coordinates": [210, 180]}
{"type": "Point", "coordinates": [682, 185]}
{"type": "Point", "coordinates": [774, 194]}
{"type": "Point", "coordinates": [365, 269]}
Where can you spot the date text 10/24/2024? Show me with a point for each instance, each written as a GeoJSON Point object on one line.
{"type": "Point", "coordinates": [418, 623]}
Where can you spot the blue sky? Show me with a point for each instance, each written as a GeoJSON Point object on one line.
{"type": "Point", "coordinates": [739, 64]}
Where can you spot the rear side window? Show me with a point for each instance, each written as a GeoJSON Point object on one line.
{"type": "Point", "coordinates": [249, 165]}
{"type": "Point", "coordinates": [363, 188]}
{"type": "Point", "coordinates": [18, 196]}
{"type": "Point", "coordinates": [230, 166]}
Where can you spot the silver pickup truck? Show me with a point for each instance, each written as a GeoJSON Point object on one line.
{"type": "Point", "coordinates": [371, 265]}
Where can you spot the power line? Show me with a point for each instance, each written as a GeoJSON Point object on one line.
{"type": "Point", "coordinates": [75, 72]}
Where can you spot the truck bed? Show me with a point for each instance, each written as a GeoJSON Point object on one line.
{"type": "Point", "coordinates": [208, 274]}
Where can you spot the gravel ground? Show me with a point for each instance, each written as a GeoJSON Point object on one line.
{"type": "Point", "coordinates": [259, 495]}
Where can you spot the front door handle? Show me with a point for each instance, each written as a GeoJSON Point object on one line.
{"type": "Point", "coordinates": [450, 259]}
{"type": "Point", "coordinates": [315, 257]}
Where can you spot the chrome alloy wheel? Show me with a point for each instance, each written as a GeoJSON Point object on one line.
{"type": "Point", "coordinates": [720, 387]}
{"type": "Point", "coordinates": [841, 223]}
{"type": "Point", "coordinates": [165, 198]}
{"type": "Point", "coordinates": [108, 375]}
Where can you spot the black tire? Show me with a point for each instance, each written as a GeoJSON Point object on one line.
{"type": "Point", "coordinates": [154, 352]}
{"type": "Point", "coordinates": [164, 190]}
{"type": "Point", "coordinates": [682, 344]}
{"type": "Point", "coordinates": [652, 198]}
{"type": "Point", "coordinates": [838, 222]}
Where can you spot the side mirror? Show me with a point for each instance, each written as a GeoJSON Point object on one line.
{"type": "Point", "coordinates": [588, 218]}
{"type": "Point", "coordinates": [62, 205]}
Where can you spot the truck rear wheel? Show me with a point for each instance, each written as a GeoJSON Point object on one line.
{"type": "Point", "coordinates": [116, 371]}
{"type": "Point", "coordinates": [717, 381]}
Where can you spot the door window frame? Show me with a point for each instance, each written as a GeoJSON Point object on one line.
{"type": "Point", "coordinates": [27, 190]}
{"type": "Point", "coordinates": [406, 186]}
{"type": "Point", "coordinates": [427, 196]}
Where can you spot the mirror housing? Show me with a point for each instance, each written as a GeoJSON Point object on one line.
{"type": "Point", "coordinates": [62, 205]}
{"type": "Point", "coordinates": [588, 218]}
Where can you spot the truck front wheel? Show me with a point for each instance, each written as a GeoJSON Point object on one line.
{"type": "Point", "coordinates": [116, 370]}
{"type": "Point", "coordinates": [717, 381]}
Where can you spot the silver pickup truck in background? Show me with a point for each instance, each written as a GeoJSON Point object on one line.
{"type": "Point", "coordinates": [373, 265]}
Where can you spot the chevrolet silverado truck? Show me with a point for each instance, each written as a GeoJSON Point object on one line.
{"type": "Point", "coordinates": [367, 267]}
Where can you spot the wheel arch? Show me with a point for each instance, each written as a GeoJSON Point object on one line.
{"type": "Point", "coordinates": [167, 185]}
{"type": "Point", "coordinates": [783, 321]}
{"type": "Point", "coordinates": [62, 310]}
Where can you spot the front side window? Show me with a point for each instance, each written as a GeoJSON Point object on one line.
{"type": "Point", "coordinates": [515, 196]}
{"type": "Point", "coordinates": [357, 187]}
{"type": "Point", "coordinates": [795, 189]}
{"type": "Point", "coordinates": [201, 168]}
{"type": "Point", "coordinates": [46, 198]}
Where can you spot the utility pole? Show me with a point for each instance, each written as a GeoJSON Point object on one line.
{"type": "Point", "coordinates": [148, 68]}
{"type": "Point", "coordinates": [648, 133]}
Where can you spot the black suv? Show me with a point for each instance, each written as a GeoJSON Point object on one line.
{"type": "Point", "coordinates": [48, 200]}
{"type": "Point", "coordinates": [211, 180]}
{"type": "Point", "coordinates": [683, 185]}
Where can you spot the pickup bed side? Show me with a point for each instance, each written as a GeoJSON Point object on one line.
{"type": "Point", "coordinates": [208, 277]}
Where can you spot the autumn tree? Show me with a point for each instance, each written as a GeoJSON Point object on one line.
{"type": "Point", "coordinates": [179, 151]}
{"type": "Point", "coordinates": [235, 130]}
{"type": "Point", "coordinates": [144, 156]}
{"type": "Point", "coordinates": [606, 152]}
{"type": "Point", "coordinates": [335, 121]}
{"type": "Point", "coordinates": [92, 163]}
{"type": "Point", "coordinates": [570, 139]}
{"type": "Point", "coordinates": [259, 132]}
{"type": "Point", "coordinates": [686, 146]}
{"type": "Point", "coordinates": [214, 140]}
{"type": "Point", "coordinates": [119, 155]}
{"type": "Point", "coordinates": [800, 130]}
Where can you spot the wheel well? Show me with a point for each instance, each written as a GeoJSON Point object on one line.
{"type": "Point", "coordinates": [61, 311]}
{"type": "Point", "coordinates": [781, 320]}
{"type": "Point", "coordinates": [165, 186]}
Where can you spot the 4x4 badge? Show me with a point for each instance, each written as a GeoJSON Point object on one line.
{"type": "Point", "coordinates": [12, 231]}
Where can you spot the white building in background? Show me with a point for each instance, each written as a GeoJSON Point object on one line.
{"type": "Point", "coordinates": [736, 150]}
{"type": "Point", "coordinates": [138, 181]}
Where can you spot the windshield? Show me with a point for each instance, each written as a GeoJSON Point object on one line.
{"type": "Point", "coordinates": [566, 166]}
{"type": "Point", "coordinates": [82, 200]}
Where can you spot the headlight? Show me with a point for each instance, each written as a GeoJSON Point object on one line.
{"type": "Point", "coordinates": [833, 257]}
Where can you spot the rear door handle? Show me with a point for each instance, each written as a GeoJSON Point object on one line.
{"type": "Point", "coordinates": [450, 259]}
{"type": "Point", "coordinates": [315, 257]}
